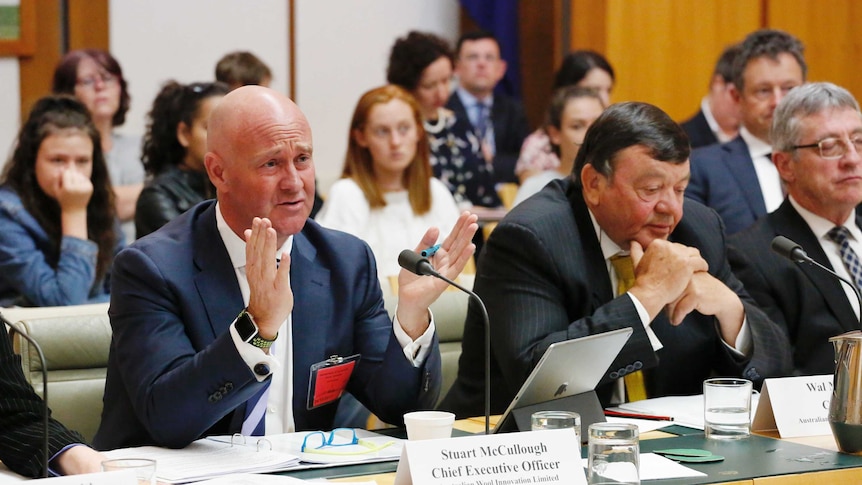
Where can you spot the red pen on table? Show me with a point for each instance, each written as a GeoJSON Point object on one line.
{"type": "Point", "coordinates": [650, 417]}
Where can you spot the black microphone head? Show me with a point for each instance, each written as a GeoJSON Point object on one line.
{"type": "Point", "coordinates": [789, 249]}
{"type": "Point", "coordinates": [415, 263]}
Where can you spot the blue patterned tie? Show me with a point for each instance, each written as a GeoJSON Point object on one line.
{"type": "Point", "coordinates": [840, 235]}
{"type": "Point", "coordinates": [482, 120]}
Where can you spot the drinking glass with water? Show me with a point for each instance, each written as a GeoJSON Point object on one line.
{"type": "Point", "coordinates": [727, 408]}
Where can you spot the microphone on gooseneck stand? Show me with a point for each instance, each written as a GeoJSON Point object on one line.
{"type": "Point", "coordinates": [794, 252]}
{"type": "Point", "coordinates": [419, 265]}
{"type": "Point", "coordinates": [45, 411]}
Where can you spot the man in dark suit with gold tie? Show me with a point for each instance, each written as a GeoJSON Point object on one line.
{"type": "Point", "coordinates": [547, 275]}
{"type": "Point", "coordinates": [817, 137]}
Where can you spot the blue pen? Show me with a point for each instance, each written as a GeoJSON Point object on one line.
{"type": "Point", "coordinates": [427, 253]}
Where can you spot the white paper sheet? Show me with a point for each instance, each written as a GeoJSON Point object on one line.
{"type": "Point", "coordinates": [656, 467]}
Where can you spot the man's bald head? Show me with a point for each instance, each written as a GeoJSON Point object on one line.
{"type": "Point", "coordinates": [259, 160]}
{"type": "Point", "coordinates": [241, 111]}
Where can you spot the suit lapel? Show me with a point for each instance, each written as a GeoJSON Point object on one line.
{"type": "Point", "coordinates": [741, 167]}
{"type": "Point", "coordinates": [309, 282]}
{"type": "Point", "coordinates": [596, 268]}
{"type": "Point", "coordinates": [787, 222]}
{"type": "Point", "coordinates": [216, 275]}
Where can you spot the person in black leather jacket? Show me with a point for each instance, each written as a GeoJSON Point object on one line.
{"type": "Point", "coordinates": [173, 153]}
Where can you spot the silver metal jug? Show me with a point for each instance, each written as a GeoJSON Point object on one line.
{"type": "Point", "coordinates": [845, 409]}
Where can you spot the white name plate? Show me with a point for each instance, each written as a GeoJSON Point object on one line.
{"type": "Point", "coordinates": [795, 406]}
{"type": "Point", "coordinates": [551, 456]}
{"type": "Point", "coordinates": [120, 477]}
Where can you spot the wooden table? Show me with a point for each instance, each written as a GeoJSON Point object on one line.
{"type": "Point", "coordinates": [830, 477]}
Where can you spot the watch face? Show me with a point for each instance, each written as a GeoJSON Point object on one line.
{"type": "Point", "coordinates": [245, 327]}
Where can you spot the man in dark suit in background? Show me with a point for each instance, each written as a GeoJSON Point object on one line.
{"type": "Point", "coordinates": [214, 334]}
{"type": "Point", "coordinates": [21, 426]}
{"type": "Point", "coordinates": [718, 118]}
{"type": "Point", "coordinates": [498, 120]}
{"type": "Point", "coordinates": [549, 273]}
{"type": "Point", "coordinates": [738, 178]}
{"type": "Point", "coordinates": [817, 137]}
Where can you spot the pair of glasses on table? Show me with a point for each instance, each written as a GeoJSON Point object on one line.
{"type": "Point", "coordinates": [329, 443]}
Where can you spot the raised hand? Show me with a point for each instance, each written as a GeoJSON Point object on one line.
{"type": "Point", "coordinates": [270, 297]}
{"type": "Point", "coordinates": [74, 191]}
{"type": "Point", "coordinates": [416, 293]}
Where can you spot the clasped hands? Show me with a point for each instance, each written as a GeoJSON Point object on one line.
{"type": "Point", "coordinates": [271, 299]}
{"type": "Point", "coordinates": [672, 277]}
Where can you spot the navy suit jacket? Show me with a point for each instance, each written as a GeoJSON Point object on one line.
{"type": "Point", "coordinates": [806, 301]}
{"type": "Point", "coordinates": [698, 131]}
{"type": "Point", "coordinates": [723, 178]}
{"type": "Point", "coordinates": [510, 129]}
{"type": "Point", "coordinates": [174, 373]}
{"type": "Point", "coordinates": [544, 280]}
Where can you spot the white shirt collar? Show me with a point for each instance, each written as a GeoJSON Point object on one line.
{"type": "Point", "coordinates": [756, 146]}
{"type": "Point", "coordinates": [821, 226]}
{"type": "Point", "coordinates": [469, 101]}
{"type": "Point", "coordinates": [609, 247]}
{"type": "Point", "coordinates": [235, 245]}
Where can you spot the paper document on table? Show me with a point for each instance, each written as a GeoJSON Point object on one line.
{"type": "Point", "coordinates": [207, 459]}
{"type": "Point", "coordinates": [655, 467]}
{"type": "Point", "coordinates": [369, 447]}
{"type": "Point", "coordinates": [685, 410]}
{"type": "Point", "coordinates": [252, 479]}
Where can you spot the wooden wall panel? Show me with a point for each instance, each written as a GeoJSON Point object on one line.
{"type": "Point", "coordinates": [588, 25]}
{"type": "Point", "coordinates": [830, 32]}
{"type": "Point", "coordinates": [87, 27]}
{"type": "Point", "coordinates": [540, 55]}
{"type": "Point", "coordinates": [88, 24]}
{"type": "Point", "coordinates": [36, 71]}
{"type": "Point", "coordinates": [663, 51]}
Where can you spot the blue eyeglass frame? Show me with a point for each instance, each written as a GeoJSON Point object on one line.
{"type": "Point", "coordinates": [328, 441]}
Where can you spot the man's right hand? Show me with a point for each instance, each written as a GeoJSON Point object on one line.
{"type": "Point", "coordinates": [663, 272]}
{"type": "Point", "coordinates": [270, 298]}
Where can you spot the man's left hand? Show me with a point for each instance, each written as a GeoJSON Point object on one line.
{"type": "Point", "coordinates": [709, 296]}
{"type": "Point", "coordinates": [416, 293]}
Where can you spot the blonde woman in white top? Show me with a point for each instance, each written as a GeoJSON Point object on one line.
{"type": "Point", "coordinates": [387, 195]}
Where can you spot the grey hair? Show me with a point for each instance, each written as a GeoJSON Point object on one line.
{"type": "Point", "coordinates": [806, 100]}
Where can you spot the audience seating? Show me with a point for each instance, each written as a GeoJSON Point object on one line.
{"type": "Point", "coordinates": [75, 341]}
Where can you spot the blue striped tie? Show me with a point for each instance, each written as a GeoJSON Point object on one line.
{"type": "Point", "coordinates": [840, 235]}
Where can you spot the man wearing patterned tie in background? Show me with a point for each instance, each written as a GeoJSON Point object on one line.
{"type": "Point", "coordinates": [817, 137]}
{"type": "Point", "coordinates": [549, 272]}
{"type": "Point", "coordinates": [497, 120]}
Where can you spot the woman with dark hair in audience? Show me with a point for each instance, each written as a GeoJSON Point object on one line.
{"type": "Point", "coordinates": [572, 111]}
{"type": "Point", "coordinates": [95, 77]}
{"type": "Point", "coordinates": [58, 231]}
{"type": "Point", "coordinates": [387, 195]}
{"type": "Point", "coordinates": [583, 68]}
{"type": "Point", "coordinates": [422, 64]}
{"type": "Point", "coordinates": [174, 149]}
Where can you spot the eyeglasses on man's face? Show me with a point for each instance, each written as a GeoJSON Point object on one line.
{"type": "Point", "coordinates": [90, 81]}
{"type": "Point", "coordinates": [833, 148]}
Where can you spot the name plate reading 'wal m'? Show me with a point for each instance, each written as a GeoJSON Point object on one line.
{"type": "Point", "coordinates": [549, 456]}
{"type": "Point", "coordinates": [795, 406]}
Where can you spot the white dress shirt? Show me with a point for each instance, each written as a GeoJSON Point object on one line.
{"type": "Point", "coordinates": [767, 174]}
{"type": "Point", "coordinates": [279, 409]}
{"type": "Point", "coordinates": [820, 227]}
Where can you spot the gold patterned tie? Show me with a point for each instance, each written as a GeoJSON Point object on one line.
{"type": "Point", "coordinates": [635, 387]}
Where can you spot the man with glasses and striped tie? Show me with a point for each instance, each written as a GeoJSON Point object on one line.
{"type": "Point", "coordinates": [817, 140]}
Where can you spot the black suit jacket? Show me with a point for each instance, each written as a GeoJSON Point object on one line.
{"type": "Point", "coordinates": [698, 131]}
{"type": "Point", "coordinates": [723, 178]}
{"type": "Point", "coordinates": [807, 302]}
{"type": "Point", "coordinates": [544, 280]}
{"type": "Point", "coordinates": [510, 129]}
{"type": "Point", "coordinates": [21, 418]}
